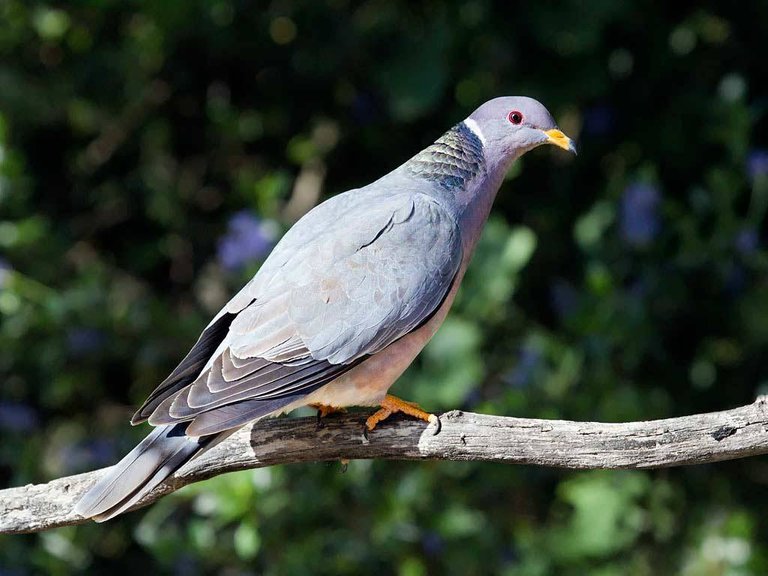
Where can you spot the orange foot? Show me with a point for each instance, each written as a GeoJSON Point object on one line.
{"type": "Point", "coordinates": [324, 410]}
{"type": "Point", "coordinates": [391, 404]}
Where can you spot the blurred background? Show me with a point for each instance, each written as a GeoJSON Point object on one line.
{"type": "Point", "coordinates": [153, 151]}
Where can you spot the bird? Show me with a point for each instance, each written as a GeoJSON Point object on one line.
{"type": "Point", "coordinates": [342, 305]}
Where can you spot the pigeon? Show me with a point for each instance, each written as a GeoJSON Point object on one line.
{"type": "Point", "coordinates": [341, 306]}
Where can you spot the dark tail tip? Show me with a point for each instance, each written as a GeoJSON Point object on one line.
{"type": "Point", "coordinates": [158, 456]}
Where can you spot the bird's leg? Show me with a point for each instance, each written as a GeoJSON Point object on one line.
{"type": "Point", "coordinates": [324, 410]}
{"type": "Point", "coordinates": [392, 404]}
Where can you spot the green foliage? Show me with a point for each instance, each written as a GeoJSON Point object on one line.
{"type": "Point", "coordinates": [151, 152]}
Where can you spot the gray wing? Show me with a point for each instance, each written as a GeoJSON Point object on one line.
{"type": "Point", "coordinates": [347, 280]}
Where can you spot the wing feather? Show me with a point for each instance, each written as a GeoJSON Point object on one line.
{"type": "Point", "coordinates": [334, 291]}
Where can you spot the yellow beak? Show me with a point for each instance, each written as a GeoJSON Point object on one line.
{"type": "Point", "coordinates": [560, 140]}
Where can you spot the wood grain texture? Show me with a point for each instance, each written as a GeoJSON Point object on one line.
{"type": "Point", "coordinates": [696, 439]}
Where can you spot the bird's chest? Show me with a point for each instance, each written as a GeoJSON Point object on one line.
{"type": "Point", "coordinates": [367, 383]}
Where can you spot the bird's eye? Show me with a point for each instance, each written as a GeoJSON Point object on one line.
{"type": "Point", "coordinates": [515, 117]}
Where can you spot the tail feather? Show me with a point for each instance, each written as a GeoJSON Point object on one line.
{"type": "Point", "coordinates": [158, 456]}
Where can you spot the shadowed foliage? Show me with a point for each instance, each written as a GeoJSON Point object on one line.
{"type": "Point", "coordinates": [152, 152]}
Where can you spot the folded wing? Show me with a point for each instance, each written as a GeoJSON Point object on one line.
{"type": "Point", "coordinates": [341, 285]}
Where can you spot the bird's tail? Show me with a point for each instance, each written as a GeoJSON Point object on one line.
{"type": "Point", "coordinates": [158, 456]}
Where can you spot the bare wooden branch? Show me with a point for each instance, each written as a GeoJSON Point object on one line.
{"type": "Point", "coordinates": [697, 439]}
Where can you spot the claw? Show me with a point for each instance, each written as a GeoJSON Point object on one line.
{"type": "Point", "coordinates": [323, 411]}
{"type": "Point", "coordinates": [434, 420]}
{"type": "Point", "coordinates": [391, 405]}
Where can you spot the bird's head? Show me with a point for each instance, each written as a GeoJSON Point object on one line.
{"type": "Point", "coordinates": [512, 125]}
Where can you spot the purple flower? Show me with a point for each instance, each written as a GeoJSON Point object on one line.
{"type": "Point", "coordinates": [5, 272]}
{"type": "Point", "coordinates": [472, 399]}
{"type": "Point", "coordinates": [735, 280]}
{"type": "Point", "coordinates": [599, 120]}
{"type": "Point", "coordinates": [757, 164]}
{"type": "Point", "coordinates": [639, 219]}
{"type": "Point", "coordinates": [247, 240]}
{"type": "Point", "coordinates": [17, 417]}
{"type": "Point", "coordinates": [528, 361]}
{"type": "Point", "coordinates": [185, 564]}
{"type": "Point", "coordinates": [85, 454]}
{"type": "Point", "coordinates": [564, 298]}
{"type": "Point", "coordinates": [433, 543]}
{"type": "Point", "coordinates": [746, 241]}
{"type": "Point", "coordinates": [82, 341]}
{"type": "Point", "coordinates": [364, 108]}
{"type": "Point", "coordinates": [100, 452]}
{"type": "Point", "coordinates": [510, 556]}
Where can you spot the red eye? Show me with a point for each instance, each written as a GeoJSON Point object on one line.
{"type": "Point", "coordinates": [515, 117]}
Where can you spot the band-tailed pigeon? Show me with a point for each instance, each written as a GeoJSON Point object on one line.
{"type": "Point", "coordinates": [341, 306]}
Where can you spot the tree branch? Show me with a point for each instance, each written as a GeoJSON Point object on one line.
{"type": "Point", "coordinates": [697, 439]}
